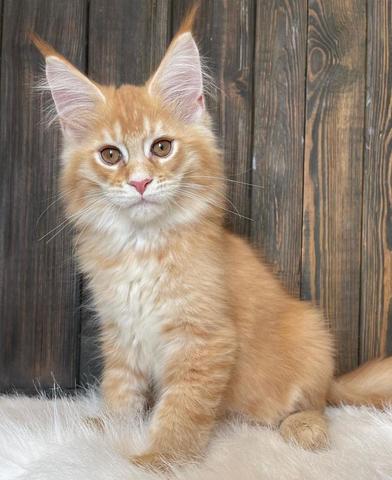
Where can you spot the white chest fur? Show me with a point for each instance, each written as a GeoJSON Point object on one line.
{"type": "Point", "coordinates": [137, 297]}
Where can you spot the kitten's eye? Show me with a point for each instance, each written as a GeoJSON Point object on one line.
{"type": "Point", "coordinates": [110, 155]}
{"type": "Point", "coordinates": [161, 148]}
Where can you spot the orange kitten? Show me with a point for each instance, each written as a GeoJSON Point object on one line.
{"type": "Point", "coordinates": [188, 311]}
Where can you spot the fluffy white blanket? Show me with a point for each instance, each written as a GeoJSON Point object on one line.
{"type": "Point", "coordinates": [46, 439]}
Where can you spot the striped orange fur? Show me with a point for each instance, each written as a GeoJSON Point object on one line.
{"type": "Point", "coordinates": [189, 314]}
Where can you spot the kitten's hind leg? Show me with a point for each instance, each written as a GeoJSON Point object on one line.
{"type": "Point", "coordinates": [308, 429]}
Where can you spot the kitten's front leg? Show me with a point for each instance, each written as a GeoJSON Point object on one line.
{"type": "Point", "coordinates": [125, 382]}
{"type": "Point", "coordinates": [124, 386]}
{"type": "Point", "coordinates": [193, 384]}
{"type": "Point", "coordinates": [124, 390]}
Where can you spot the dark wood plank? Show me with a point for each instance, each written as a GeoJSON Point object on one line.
{"type": "Point", "coordinates": [376, 308]}
{"type": "Point", "coordinates": [333, 167]}
{"type": "Point", "coordinates": [39, 321]}
{"type": "Point", "coordinates": [1, 38]}
{"type": "Point", "coordinates": [280, 66]}
{"type": "Point", "coordinates": [1, 30]}
{"type": "Point", "coordinates": [127, 39]}
{"type": "Point", "coordinates": [225, 34]}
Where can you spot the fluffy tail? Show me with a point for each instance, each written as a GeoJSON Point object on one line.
{"type": "Point", "coordinates": [370, 384]}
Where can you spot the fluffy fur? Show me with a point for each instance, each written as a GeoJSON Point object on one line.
{"type": "Point", "coordinates": [46, 439]}
{"type": "Point", "coordinates": [194, 325]}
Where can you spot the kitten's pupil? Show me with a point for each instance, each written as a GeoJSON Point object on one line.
{"type": "Point", "coordinates": [110, 155]}
{"type": "Point", "coordinates": [161, 148]}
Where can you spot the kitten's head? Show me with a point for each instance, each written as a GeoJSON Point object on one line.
{"type": "Point", "coordinates": [137, 156]}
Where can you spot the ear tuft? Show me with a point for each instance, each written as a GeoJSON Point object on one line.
{"type": "Point", "coordinates": [44, 47]}
{"type": "Point", "coordinates": [179, 79]}
{"type": "Point", "coordinates": [189, 19]}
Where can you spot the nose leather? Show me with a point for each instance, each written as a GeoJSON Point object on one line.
{"type": "Point", "coordinates": [141, 185]}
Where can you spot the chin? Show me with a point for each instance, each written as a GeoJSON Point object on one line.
{"type": "Point", "coordinates": [144, 213]}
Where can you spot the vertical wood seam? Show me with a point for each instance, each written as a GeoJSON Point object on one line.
{"type": "Point", "coordinates": [301, 260]}
{"type": "Point", "coordinates": [252, 124]}
{"type": "Point", "coordinates": [365, 123]}
{"type": "Point", "coordinates": [1, 46]}
{"type": "Point", "coordinates": [170, 30]}
{"type": "Point", "coordinates": [79, 276]}
{"type": "Point", "coordinates": [251, 86]}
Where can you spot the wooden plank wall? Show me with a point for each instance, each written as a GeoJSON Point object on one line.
{"type": "Point", "coordinates": [39, 294]}
{"type": "Point", "coordinates": [303, 111]}
{"type": "Point", "coordinates": [376, 278]}
{"type": "Point", "coordinates": [334, 133]}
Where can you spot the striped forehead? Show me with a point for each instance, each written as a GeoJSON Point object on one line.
{"type": "Point", "coordinates": [113, 135]}
{"type": "Point", "coordinates": [118, 134]}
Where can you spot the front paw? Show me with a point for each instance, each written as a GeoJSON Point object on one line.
{"type": "Point", "coordinates": [152, 461]}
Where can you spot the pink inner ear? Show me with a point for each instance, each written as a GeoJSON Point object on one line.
{"type": "Point", "coordinates": [200, 101]}
{"type": "Point", "coordinates": [179, 81]}
{"type": "Point", "coordinates": [74, 95]}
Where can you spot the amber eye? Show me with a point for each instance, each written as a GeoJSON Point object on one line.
{"type": "Point", "coordinates": [110, 155]}
{"type": "Point", "coordinates": [161, 148]}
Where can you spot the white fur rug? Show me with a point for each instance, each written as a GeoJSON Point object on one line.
{"type": "Point", "coordinates": [45, 440]}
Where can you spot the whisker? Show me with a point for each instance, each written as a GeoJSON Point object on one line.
{"type": "Point", "coordinates": [190, 185]}
{"type": "Point", "coordinates": [61, 196]}
{"type": "Point", "coordinates": [210, 202]}
{"type": "Point", "coordinates": [226, 180]}
{"type": "Point", "coordinates": [67, 220]}
{"type": "Point", "coordinates": [48, 207]}
{"type": "Point", "coordinates": [57, 233]}
{"type": "Point", "coordinates": [204, 220]}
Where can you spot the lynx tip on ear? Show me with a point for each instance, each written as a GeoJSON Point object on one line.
{"type": "Point", "coordinates": [45, 49]}
{"type": "Point", "coordinates": [189, 20]}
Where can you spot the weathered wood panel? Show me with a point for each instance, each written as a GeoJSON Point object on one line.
{"type": "Point", "coordinates": [291, 80]}
{"type": "Point", "coordinates": [333, 167]}
{"type": "Point", "coordinates": [279, 66]}
{"type": "Point", "coordinates": [376, 292]}
{"type": "Point", "coordinates": [225, 34]}
{"type": "Point", "coordinates": [38, 294]}
{"type": "Point", "coordinates": [127, 39]}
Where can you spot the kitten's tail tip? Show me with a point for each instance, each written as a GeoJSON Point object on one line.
{"type": "Point", "coordinates": [370, 384]}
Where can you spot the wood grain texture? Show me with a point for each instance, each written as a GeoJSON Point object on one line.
{"type": "Point", "coordinates": [294, 90]}
{"type": "Point", "coordinates": [279, 114]}
{"type": "Point", "coordinates": [333, 167]}
{"type": "Point", "coordinates": [127, 40]}
{"type": "Point", "coordinates": [39, 325]}
{"type": "Point", "coordinates": [225, 34]}
{"type": "Point", "coordinates": [1, 30]}
{"type": "Point", "coordinates": [376, 307]}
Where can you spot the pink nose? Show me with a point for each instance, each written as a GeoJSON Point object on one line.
{"type": "Point", "coordinates": [140, 185]}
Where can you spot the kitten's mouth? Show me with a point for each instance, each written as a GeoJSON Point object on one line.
{"type": "Point", "coordinates": [144, 202]}
{"type": "Point", "coordinates": [141, 202]}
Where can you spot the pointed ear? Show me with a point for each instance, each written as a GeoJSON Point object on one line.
{"type": "Point", "coordinates": [74, 95]}
{"type": "Point", "coordinates": [179, 79]}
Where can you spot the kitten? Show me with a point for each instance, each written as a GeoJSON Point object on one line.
{"type": "Point", "coordinates": [187, 309]}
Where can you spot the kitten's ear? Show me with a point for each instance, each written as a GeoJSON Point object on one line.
{"type": "Point", "coordinates": [74, 95]}
{"type": "Point", "coordinates": [179, 79]}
